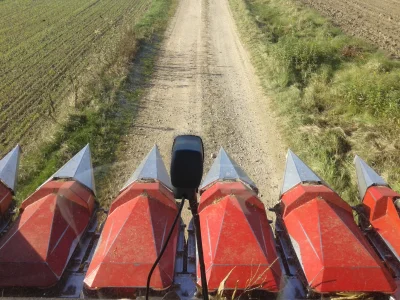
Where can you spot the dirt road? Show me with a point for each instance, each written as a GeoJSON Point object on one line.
{"type": "Point", "coordinates": [204, 84]}
{"type": "Point", "coordinates": [377, 21]}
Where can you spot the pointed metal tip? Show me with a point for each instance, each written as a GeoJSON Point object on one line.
{"type": "Point", "coordinates": [225, 168]}
{"type": "Point", "coordinates": [79, 168]}
{"type": "Point", "coordinates": [366, 176]}
{"type": "Point", "coordinates": [9, 168]}
{"type": "Point", "coordinates": [297, 172]}
{"type": "Point", "coordinates": [152, 167]}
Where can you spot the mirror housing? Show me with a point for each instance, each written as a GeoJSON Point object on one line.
{"type": "Point", "coordinates": [186, 164]}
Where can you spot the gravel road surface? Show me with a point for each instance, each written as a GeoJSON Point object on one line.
{"type": "Point", "coordinates": [205, 84]}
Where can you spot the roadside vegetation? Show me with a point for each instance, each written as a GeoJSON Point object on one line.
{"type": "Point", "coordinates": [337, 96]}
{"type": "Point", "coordinates": [107, 103]}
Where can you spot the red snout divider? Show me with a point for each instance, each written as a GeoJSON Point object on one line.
{"type": "Point", "coordinates": [36, 249]}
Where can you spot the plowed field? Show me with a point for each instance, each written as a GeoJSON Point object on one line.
{"type": "Point", "coordinates": [377, 21]}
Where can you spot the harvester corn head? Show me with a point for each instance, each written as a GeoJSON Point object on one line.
{"type": "Point", "coordinates": [63, 245]}
{"type": "Point", "coordinates": [39, 244]}
{"type": "Point", "coordinates": [316, 231]}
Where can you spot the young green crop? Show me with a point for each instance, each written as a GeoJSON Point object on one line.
{"type": "Point", "coordinates": [48, 50]}
{"type": "Point", "coordinates": [105, 109]}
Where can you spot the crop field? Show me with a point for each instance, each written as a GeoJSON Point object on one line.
{"type": "Point", "coordinates": [377, 21]}
{"type": "Point", "coordinates": [46, 49]}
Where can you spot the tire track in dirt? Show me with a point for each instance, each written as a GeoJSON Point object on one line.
{"type": "Point", "coordinates": [377, 21]}
{"type": "Point", "coordinates": [204, 84]}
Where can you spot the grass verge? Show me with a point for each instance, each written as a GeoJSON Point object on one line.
{"type": "Point", "coordinates": [337, 96]}
{"type": "Point", "coordinates": [106, 107]}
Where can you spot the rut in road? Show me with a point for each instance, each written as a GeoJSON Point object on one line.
{"type": "Point", "coordinates": [204, 84]}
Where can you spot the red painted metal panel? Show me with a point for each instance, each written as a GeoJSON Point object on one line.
{"type": "Point", "coordinates": [382, 214]}
{"type": "Point", "coordinates": [36, 250]}
{"type": "Point", "coordinates": [135, 230]}
{"type": "Point", "coordinates": [332, 250]}
{"type": "Point", "coordinates": [236, 236]}
{"type": "Point", "coordinates": [5, 198]}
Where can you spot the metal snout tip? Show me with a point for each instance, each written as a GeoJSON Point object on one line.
{"type": "Point", "coordinates": [152, 167]}
{"type": "Point", "coordinates": [225, 168]}
{"type": "Point", "coordinates": [296, 172]}
{"type": "Point", "coordinates": [366, 176]}
{"type": "Point", "coordinates": [9, 168]}
{"type": "Point", "coordinates": [79, 168]}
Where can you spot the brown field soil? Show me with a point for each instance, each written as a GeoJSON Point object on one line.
{"type": "Point", "coordinates": [377, 21]}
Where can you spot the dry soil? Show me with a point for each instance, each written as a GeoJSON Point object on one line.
{"type": "Point", "coordinates": [377, 21]}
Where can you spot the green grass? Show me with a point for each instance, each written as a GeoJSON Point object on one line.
{"type": "Point", "coordinates": [50, 48]}
{"type": "Point", "coordinates": [107, 106]}
{"type": "Point", "coordinates": [336, 95]}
